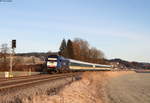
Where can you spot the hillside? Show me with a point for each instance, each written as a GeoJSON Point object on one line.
{"type": "Point", "coordinates": [129, 65]}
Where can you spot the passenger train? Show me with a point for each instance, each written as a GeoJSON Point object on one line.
{"type": "Point", "coordinates": [56, 63]}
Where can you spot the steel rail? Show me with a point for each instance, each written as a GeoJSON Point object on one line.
{"type": "Point", "coordinates": [33, 81]}
{"type": "Point", "coordinates": [27, 77]}
{"type": "Point", "coordinates": [13, 78]}
{"type": "Point", "coordinates": [24, 79]}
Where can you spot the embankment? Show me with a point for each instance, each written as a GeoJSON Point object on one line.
{"type": "Point", "coordinates": [90, 89]}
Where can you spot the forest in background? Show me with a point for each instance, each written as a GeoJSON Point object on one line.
{"type": "Point", "coordinates": [77, 49]}
{"type": "Point", "coordinates": [80, 49]}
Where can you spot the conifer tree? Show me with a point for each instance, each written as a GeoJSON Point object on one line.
{"type": "Point", "coordinates": [70, 49]}
{"type": "Point", "coordinates": [63, 47]}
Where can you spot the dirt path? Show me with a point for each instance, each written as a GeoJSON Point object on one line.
{"type": "Point", "coordinates": [129, 88]}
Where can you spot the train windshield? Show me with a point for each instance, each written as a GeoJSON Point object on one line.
{"type": "Point", "coordinates": [52, 62]}
{"type": "Point", "coordinates": [52, 59]}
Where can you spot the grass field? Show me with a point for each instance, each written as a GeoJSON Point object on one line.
{"type": "Point", "coordinates": [130, 88]}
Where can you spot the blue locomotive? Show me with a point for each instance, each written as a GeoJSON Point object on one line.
{"type": "Point", "coordinates": [57, 63]}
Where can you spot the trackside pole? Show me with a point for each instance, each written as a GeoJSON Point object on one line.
{"type": "Point", "coordinates": [11, 56]}
{"type": "Point", "coordinates": [11, 62]}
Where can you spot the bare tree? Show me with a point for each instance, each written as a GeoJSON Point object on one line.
{"type": "Point", "coordinates": [4, 53]}
{"type": "Point", "coordinates": [95, 53]}
{"type": "Point", "coordinates": [83, 51]}
{"type": "Point", "coordinates": [4, 48]}
{"type": "Point", "coordinates": [83, 48]}
{"type": "Point", "coordinates": [77, 51]}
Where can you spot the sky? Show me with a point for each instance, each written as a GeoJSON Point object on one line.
{"type": "Point", "coordinates": [119, 28]}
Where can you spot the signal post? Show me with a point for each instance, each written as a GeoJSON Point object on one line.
{"type": "Point", "coordinates": [13, 46]}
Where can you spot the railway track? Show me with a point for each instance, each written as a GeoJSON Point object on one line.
{"type": "Point", "coordinates": [13, 78]}
{"type": "Point", "coordinates": [24, 81]}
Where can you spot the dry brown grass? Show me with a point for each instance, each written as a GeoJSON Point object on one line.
{"type": "Point", "coordinates": [111, 74]}
{"type": "Point", "coordinates": [90, 89]}
{"type": "Point", "coordinates": [87, 90]}
{"type": "Point", "coordinates": [35, 93]}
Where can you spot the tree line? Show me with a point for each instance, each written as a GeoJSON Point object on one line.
{"type": "Point", "coordinates": [80, 49]}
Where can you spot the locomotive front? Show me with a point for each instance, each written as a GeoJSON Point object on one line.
{"type": "Point", "coordinates": [57, 64]}
{"type": "Point", "coordinates": [52, 63]}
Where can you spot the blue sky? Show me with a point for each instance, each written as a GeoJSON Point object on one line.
{"type": "Point", "coordinates": [120, 28]}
